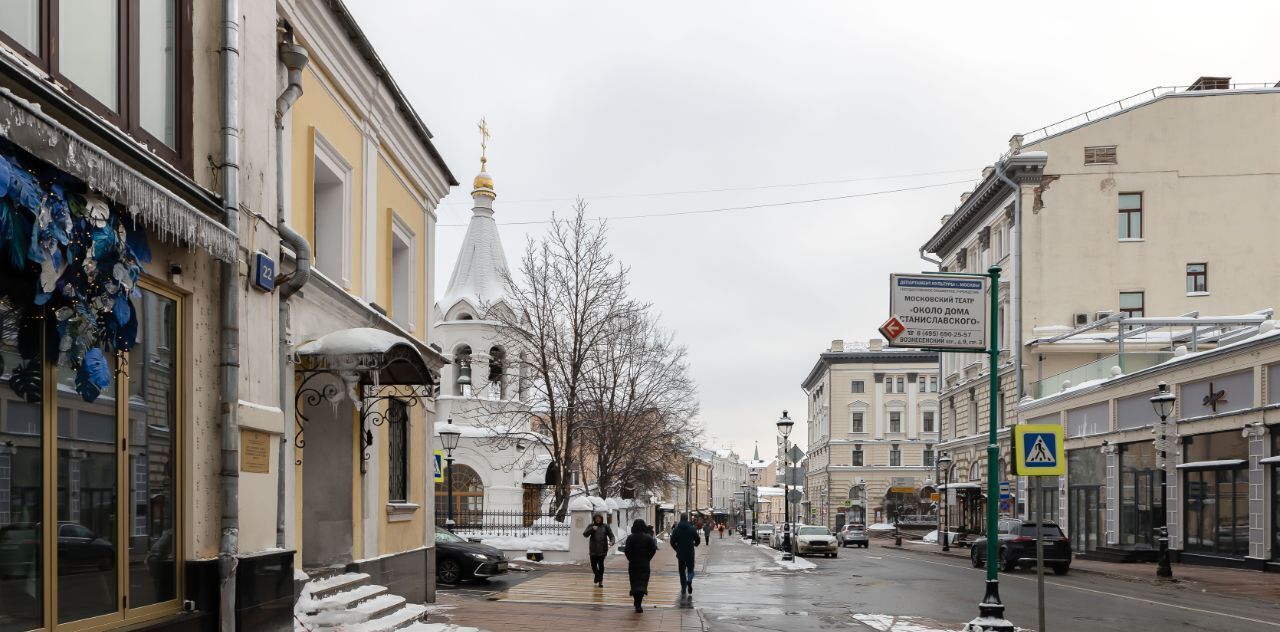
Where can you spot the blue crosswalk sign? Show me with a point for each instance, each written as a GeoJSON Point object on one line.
{"type": "Point", "coordinates": [1039, 450]}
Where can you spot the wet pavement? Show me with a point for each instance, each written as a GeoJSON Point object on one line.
{"type": "Point", "coordinates": [744, 588]}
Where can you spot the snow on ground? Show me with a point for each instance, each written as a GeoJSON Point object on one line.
{"type": "Point", "coordinates": [797, 564]}
{"type": "Point", "coordinates": [895, 623]}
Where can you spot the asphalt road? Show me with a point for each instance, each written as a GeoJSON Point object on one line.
{"type": "Point", "coordinates": [743, 588]}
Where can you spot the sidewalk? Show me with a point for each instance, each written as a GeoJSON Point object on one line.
{"type": "Point", "coordinates": [1227, 582]}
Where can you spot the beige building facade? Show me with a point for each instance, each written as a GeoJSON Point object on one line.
{"type": "Point", "coordinates": [1122, 213]}
{"type": "Point", "coordinates": [872, 433]}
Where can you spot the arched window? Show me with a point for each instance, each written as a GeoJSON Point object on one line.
{"type": "Point", "coordinates": [975, 471]}
{"type": "Point", "coordinates": [462, 371]}
{"type": "Point", "coordinates": [468, 496]}
{"type": "Point", "coordinates": [465, 316]}
{"type": "Point", "coordinates": [497, 371]}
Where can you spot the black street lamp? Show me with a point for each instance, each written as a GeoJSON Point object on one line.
{"type": "Point", "coordinates": [449, 436]}
{"type": "Point", "coordinates": [944, 464]}
{"type": "Point", "coordinates": [1163, 402]}
{"type": "Point", "coordinates": [755, 493]}
{"type": "Point", "coordinates": [784, 428]}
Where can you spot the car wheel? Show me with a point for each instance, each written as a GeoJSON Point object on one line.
{"type": "Point", "coordinates": [449, 572]}
{"type": "Point", "coordinates": [974, 558]}
{"type": "Point", "coordinates": [834, 555]}
{"type": "Point", "coordinates": [1061, 569]}
{"type": "Point", "coordinates": [1007, 561]}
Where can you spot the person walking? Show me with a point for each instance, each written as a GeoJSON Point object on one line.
{"type": "Point", "coordinates": [706, 532]}
{"type": "Point", "coordinates": [640, 547]}
{"type": "Point", "coordinates": [600, 538]}
{"type": "Point", "coordinates": [721, 530]}
{"type": "Point", "coordinates": [683, 539]}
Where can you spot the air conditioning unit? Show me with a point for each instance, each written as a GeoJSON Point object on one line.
{"type": "Point", "coordinates": [1106, 313]}
{"type": "Point", "coordinates": [1080, 319]}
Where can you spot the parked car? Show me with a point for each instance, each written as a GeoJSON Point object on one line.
{"type": "Point", "coordinates": [1017, 540]}
{"type": "Point", "coordinates": [810, 540]}
{"type": "Point", "coordinates": [458, 559]}
{"type": "Point", "coordinates": [79, 549]}
{"type": "Point", "coordinates": [853, 534]}
{"type": "Point", "coordinates": [764, 533]}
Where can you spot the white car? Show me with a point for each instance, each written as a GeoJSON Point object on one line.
{"type": "Point", "coordinates": [809, 540]}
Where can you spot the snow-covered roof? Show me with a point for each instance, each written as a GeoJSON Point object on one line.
{"type": "Point", "coordinates": [377, 355]}
{"type": "Point", "coordinates": [478, 274]}
{"type": "Point", "coordinates": [1203, 465]}
{"type": "Point", "coordinates": [354, 341]}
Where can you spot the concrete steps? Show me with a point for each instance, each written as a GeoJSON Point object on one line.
{"type": "Point", "coordinates": [349, 601]}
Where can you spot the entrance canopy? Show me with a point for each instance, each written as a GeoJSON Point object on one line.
{"type": "Point", "coordinates": [376, 357]}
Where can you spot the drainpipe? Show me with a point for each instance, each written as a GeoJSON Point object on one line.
{"type": "Point", "coordinates": [294, 58]}
{"type": "Point", "coordinates": [1015, 284]}
{"type": "Point", "coordinates": [229, 363]}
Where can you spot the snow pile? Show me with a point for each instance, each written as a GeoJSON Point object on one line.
{"type": "Point", "coordinates": [881, 526]}
{"type": "Point", "coordinates": [796, 564]}
{"type": "Point", "coordinates": [540, 542]}
{"type": "Point", "coordinates": [897, 623]}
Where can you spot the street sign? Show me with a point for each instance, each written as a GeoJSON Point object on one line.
{"type": "Point", "coordinates": [902, 490]}
{"type": "Point", "coordinates": [892, 328]}
{"type": "Point", "coordinates": [1039, 450]}
{"type": "Point", "coordinates": [795, 496]}
{"type": "Point", "coordinates": [939, 311]}
{"type": "Point", "coordinates": [1005, 490]}
{"type": "Point", "coordinates": [439, 476]}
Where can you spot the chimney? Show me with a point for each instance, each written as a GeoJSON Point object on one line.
{"type": "Point", "coordinates": [1211, 83]}
{"type": "Point", "coordinates": [875, 344]}
{"type": "Point", "coordinates": [1015, 143]}
{"type": "Point", "coordinates": [837, 346]}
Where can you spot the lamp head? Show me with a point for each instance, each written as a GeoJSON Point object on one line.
{"type": "Point", "coordinates": [449, 436]}
{"type": "Point", "coordinates": [1162, 402]}
{"type": "Point", "coordinates": [785, 424]}
{"type": "Point", "coordinates": [944, 460]}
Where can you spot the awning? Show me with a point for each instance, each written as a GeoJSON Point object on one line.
{"type": "Point", "coordinates": [377, 356]}
{"type": "Point", "coordinates": [167, 215]}
{"type": "Point", "coordinates": [1270, 459]}
{"type": "Point", "coordinates": [1208, 465]}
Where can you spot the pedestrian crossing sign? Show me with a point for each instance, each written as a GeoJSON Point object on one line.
{"type": "Point", "coordinates": [439, 477]}
{"type": "Point", "coordinates": [1039, 450]}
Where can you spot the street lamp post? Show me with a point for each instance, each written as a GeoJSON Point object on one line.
{"type": "Point", "coordinates": [784, 428]}
{"type": "Point", "coordinates": [449, 441]}
{"type": "Point", "coordinates": [944, 463]}
{"type": "Point", "coordinates": [755, 503]}
{"type": "Point", "coordinates": [1163, 402]}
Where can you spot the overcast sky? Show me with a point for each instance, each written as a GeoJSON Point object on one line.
{"type": "Point", "coordinates": [603, 99]}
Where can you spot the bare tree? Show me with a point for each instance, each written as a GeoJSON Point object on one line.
{"type": "Point", "coordinates": [637, 407]}
{"type": "Point", "coordinates": [560, 311]}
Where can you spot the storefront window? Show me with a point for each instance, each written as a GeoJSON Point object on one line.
{"type": "Point", "coordinates": [1141, 503]}
{"type": "Point", "coordinates": [1275, 494]}
{"type": "Point", "coordinates": [1216, 494]}
{"type": "Point", "coordinates": [1086, 500]}
{"type": "Point", "coordinates": [21, 490]}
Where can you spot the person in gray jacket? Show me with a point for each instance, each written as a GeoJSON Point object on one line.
{"type": "Point", "coordinates": [600, 539]}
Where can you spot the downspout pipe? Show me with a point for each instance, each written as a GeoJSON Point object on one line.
{"type": "Point", "coordinates": [229, 361]}
{"type": "Point", "coordinates": [294, 58]}
{"type": "Point", "coordinates": [1015, 284]}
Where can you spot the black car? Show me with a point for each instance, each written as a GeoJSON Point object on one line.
{"type": "Point", "coordinates": [458, 559]}
{"type": "Point", "coordinates": [79, 549]}
{"type": "Point", "coordinates": [1017, 541]}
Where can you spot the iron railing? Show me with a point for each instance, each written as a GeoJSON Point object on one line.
{"type": "Point", "coordinates": [517, 524]}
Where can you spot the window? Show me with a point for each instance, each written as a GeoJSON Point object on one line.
{"type": "Point", "coordinates": [923, 383]}
{"type": "Point", "coordinates": [127, 60]}
{"type": "Point", "coordinates": [1130, 216]}
{"type": "Point", "coordinates": [928, 455]}
{"type": "Point", "coordinates": [398, 451]}
{"type": "Point", "coordinates": [895, 421]}
{"type": "Point", "coordinates": [402, 266]}
{"type": "Point", "coordinates": [1132, 304]}
{"type": "Point", "coordinates": [331, 212]}
{"type": "Point", "coordinates": [857, 386]}
{"type": "Point", "coordinates": [856, 421]}
{"type": "Point", "coordinates": [855, 459]}
{"type": "Point", "coordinates": [895, 455]}
{"type": "Point", "coordinates": [1197, 277]}
{"type": "Point", "coordinates": [901, 384]}
{"type": "Point", "coordinates": [933, 384]}
{"type": "Point", "coordinates": [1101, 155]}
{"type": "Point", "coordinates": [926, 421]}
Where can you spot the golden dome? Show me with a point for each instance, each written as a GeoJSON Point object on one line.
{"type": "Point", "coordinates": [482, 181]}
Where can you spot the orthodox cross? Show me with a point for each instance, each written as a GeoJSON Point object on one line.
{"type": "Point", "coordinates": [1215, 397]}
{"type": "Point", "coordinates": [484, 142]}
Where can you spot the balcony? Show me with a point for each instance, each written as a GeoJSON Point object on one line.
{"type": "Point", "coordinates": [1099, 369]}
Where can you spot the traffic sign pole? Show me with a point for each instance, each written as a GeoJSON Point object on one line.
{"type": "Point", "coordinates": [991, 610]}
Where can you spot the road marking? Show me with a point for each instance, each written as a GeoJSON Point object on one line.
{"type": "Point", "coordinates": [1100, 592]}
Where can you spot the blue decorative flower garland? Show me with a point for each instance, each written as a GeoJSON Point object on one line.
{"type": "Point", "coordinates": [70, 262]}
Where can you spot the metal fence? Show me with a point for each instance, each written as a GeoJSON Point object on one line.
{"type": "Point", "coordinates": [518, 524]}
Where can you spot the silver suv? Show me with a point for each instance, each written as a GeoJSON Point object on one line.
{"type": "Point", "coordinates": [853, 534]}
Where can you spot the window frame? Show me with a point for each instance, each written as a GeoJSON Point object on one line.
{"type": "Point", "coordinates": [1131, 312]}
{"type": "Point", "coordinates": [1198, 281]}
{"type": "Point", "coordinates": [1102, 150]}
{"type": "Point", "coordinates": [861, 427]}
{"type": "Point", "coordinates": [127, 115]}
{"type": "Point", "coordinates": [932, 417]}
{"type": "Point", "coordinates": [324, 151]}
{"type": "Point", "coordinates": [895, 455]}
{"type": "Point", "coordinates": [406, 452]}
{"type": "Point", "coordinates": [1128, 213]}
{"type": "Point", "coordinates": [401, 232]}
{"type": "Point", "coordinates": [891, 421]}
{"type": "Point", "coordinates": [857, 387]}
{"type": "Point", "coordinates": [857, 458]}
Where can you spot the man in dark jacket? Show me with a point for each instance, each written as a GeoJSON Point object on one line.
{"type": "Point", "coordinates": [600, 539]}
{"type": "Point", "coordinates": [683, 539]}
{"type": "Point", "coordinates": [641, 547]}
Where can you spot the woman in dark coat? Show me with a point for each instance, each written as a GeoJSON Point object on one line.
{"type": "Point", "coordinates": [640, 548]}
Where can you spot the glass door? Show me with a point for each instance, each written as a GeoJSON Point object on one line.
{"type": "Point", "coordinates": [22, 479]}
{"type": "Point", "coordinates": [1085, 513]}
